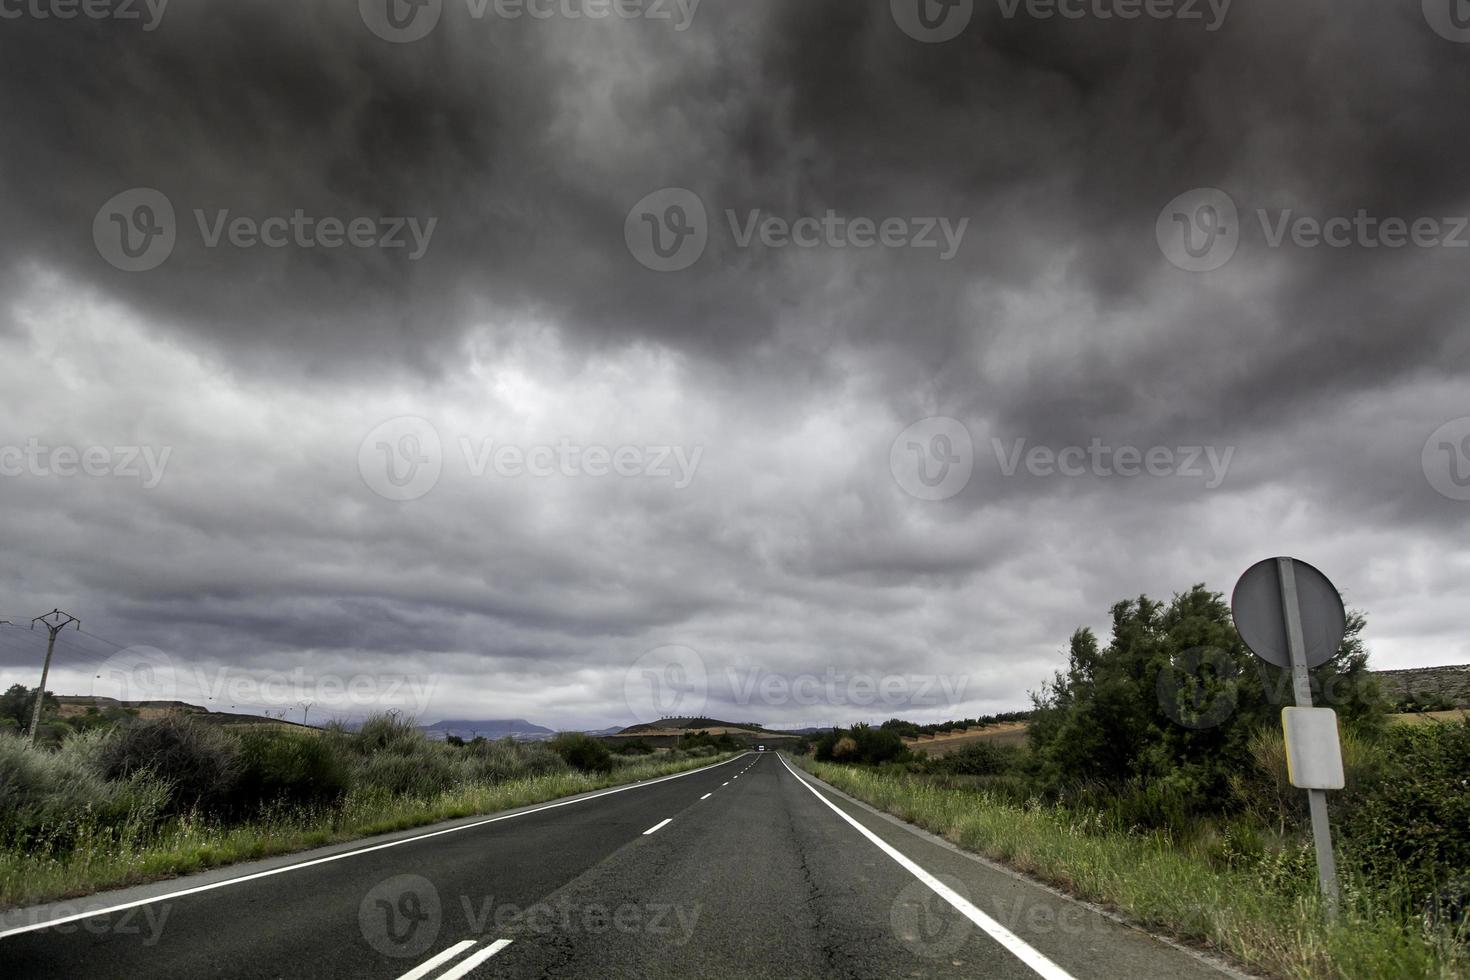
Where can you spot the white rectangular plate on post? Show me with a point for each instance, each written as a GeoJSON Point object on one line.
{"type": "Point", "coordinates": [1313, 751]}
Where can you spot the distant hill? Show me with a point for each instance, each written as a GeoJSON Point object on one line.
{"type": "Point", "coordinates": [1001, 733]}
{"type": "Point", "coordinates": [712, 725]}
{"type": "Point", "coordinates": [70, 705]}
{"type": "Point", "coordinates": [517, 728]}
{"type": "Point", "coordinates": [1448, 687]}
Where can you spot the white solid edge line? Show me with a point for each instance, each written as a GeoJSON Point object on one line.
{"type": "Point", "coordinates": [473, 961]}
{"type": "Point", "coordinates": [706, 796]}
{"type": "Point", "coordinates": [429, 966]}
{"type": "Point", "coordinates": [658, 826]}
{"type": "Point", "coordinates": [1012, 942]}
{"type": "Point", "coordinates": [78, 916]}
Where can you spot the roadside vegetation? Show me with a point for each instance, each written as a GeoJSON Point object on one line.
{"type": "Point", "coordinates": [18, 701]}
{"type": "Point", "coordinates": [139, 800]}
{"type": "Point", "coordinates": [1154, 782]}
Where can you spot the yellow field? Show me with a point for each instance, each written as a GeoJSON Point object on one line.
{"type": "Point", "coordinates": [1425, 717]}
{"type": "Point", "coordinates": [1005, 733]}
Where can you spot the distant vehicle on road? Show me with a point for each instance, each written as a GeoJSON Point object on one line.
{"type": "Point", "coordinates": [760, 748]}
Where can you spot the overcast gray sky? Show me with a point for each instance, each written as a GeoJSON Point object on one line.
{"type": "Point", "coordinates": [829, 359]}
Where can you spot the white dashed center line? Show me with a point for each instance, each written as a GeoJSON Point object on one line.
{"type": "Point", "coordinates": [658, 826]}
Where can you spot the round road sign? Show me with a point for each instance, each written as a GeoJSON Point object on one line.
{"type": "Point", "coordinates": [1257, 608]}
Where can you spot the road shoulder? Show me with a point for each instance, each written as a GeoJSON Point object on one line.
{"type": "Point", "coordinates": [1040, 913]}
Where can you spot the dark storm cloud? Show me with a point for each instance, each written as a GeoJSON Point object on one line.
{"type": "Point", "coordinates": [1060, 140]}
{"type": "Point", "coordinates": [1057, 320]}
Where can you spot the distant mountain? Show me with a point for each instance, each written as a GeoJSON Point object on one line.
{"type": "Point", "coordinates": [695, 724]}
{"type": "Point", "coordinates": [517, 728]}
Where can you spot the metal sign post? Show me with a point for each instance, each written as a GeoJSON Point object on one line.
{"type": "Point", "coordinates": [1290, 615]}
{"type": "Point", "coordinates": [1302, 687]}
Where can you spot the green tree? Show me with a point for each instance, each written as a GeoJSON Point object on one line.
{"type": "Point", "coordinates": [1174, 698]}
{"type": "Point", "coordinates": [19, 701]}
{"type": "Point", "coordinates": [862, 744]}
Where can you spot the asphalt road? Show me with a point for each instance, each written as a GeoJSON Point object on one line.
{"type": "Point", "coordinates": [746, 869]}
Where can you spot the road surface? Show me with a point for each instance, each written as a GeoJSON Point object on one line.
{"type": "Point", "coordinates": [745, 869]}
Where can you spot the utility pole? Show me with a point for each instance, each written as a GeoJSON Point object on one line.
{"type": "Point", "coordinates": [62, 620]}
{"type": "Point", "coordinates": [305, 707]}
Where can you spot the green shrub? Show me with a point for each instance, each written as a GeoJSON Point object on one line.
{"type": "Point", "coordinates": [1410, 824]}
{"type": "Point", "coordinates": [862, 744]}
{"type": "Point", "coordinates": [48, 799]}
{"type": "Point", "coordinates": [199, 764]}
{"type": "Point", "coordinates": [583, 752]}
{"type": "Point", "coordinates": [388, 732]}
{"type": "Point", "coordinates": [635, 746]}
{"type": "Point", "coordinates": [502, 760]}
{"type": "Point", "coordinates": [1411, 704]}
{"type": "Point", "coordinates": [1264, 790]}
{"type": "Point", "coordinates": [975, 759]}
{"type": "Point", "coordinates": [703, 739]}
{"type": "Point", "coordinates": [416, 774]}
{"type": "Point", "coordinates": [294, 768]}
{"type": "Point", "coordinates": [695, 752]}
{"type": "Point", "coordinates": [538, 759]}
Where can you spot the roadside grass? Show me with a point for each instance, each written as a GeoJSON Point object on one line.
{"type": "Point", "coordinates": [1267, 919]}
{"type": "Point", "coordinates": [105, 857]}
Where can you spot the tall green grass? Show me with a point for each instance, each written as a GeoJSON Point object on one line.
{"type": "Point", "coordinates": [1264, 914]}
